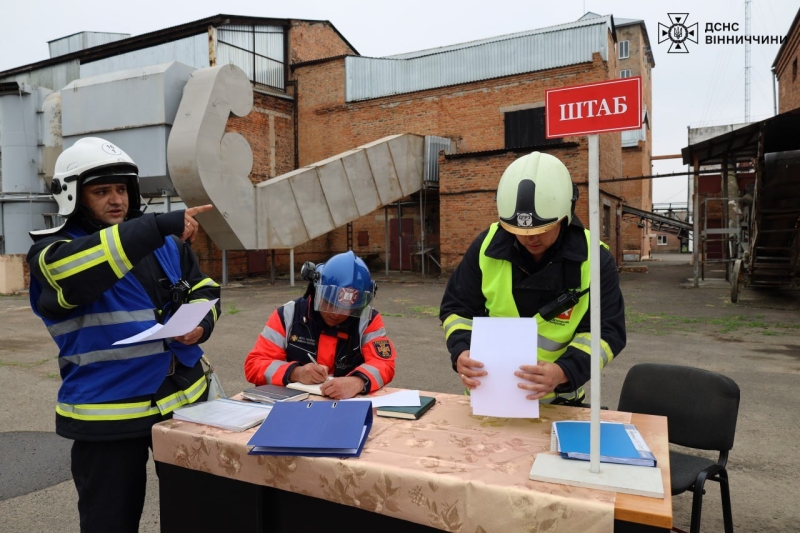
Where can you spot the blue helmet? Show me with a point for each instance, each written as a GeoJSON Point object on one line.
{"type": "Point", "coordinates": [343, 285]}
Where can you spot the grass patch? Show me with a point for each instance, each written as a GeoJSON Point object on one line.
{"type": "Point", "coordinates": [425, 310]}
{"type": "Point", "coordinates": [17, 364]}
{"type": "Point", "coordinates": [662, 323]}
{"type": "Point", "coordinates": [232, 309]}
{"type": "Point", "coordinates": [393, 314]}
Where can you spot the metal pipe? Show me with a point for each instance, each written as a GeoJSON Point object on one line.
{"type": "Point", "coordinates": [224, 268]}
{"type": "Point", "coordinates": [386, 232]}
{"type": "Point", "coordinates": [696, 217]}
{"type": "Point", "coordinates": [421, 234]}
{"type": "Point", "coordinates": [594, 298]}
{"type": "Point", "coordinates": [168, 203]}
{"type": "Point", "coordinates": [774, 93]}
{"type": "Point", "coordinates": [272, 267]}
{"type": "Point", "coordinates": [291, 267]}
{"type": "Point", "coordinates": [400, 234]}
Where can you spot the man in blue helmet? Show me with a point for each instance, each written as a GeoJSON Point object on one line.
{"type": "Point", "coordinates": [331, 331]}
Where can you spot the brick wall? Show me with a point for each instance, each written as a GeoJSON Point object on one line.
{"type": "Point", "coordinates": [788, 72]}
{"type": "Point", "coordinates": [315, 40]}
{"type": "Point", "coordinates": [638, 194]}
{"type": "Point", "coordinates": [471, 114]}
{"type": "Point", "coordinates": [673, 244]}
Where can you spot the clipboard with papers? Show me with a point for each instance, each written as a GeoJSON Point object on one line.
{"type": "Point", "coordinates": [315, 429]}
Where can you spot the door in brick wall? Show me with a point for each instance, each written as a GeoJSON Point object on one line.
{"type": "Point", "coordinates": [257, 261]}
{"type": "Point", "coordinates": [407, 226]}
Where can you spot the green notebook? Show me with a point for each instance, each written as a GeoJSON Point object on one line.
{"type": "Point", "coordinates": [411, 413]}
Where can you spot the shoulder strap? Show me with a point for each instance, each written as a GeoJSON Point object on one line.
{"type": "Point", "coordinates": [170, 259]}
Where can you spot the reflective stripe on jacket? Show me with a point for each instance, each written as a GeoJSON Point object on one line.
{"type": "Point", "coordinates": [93, 370]}
{"type": "Point", "coordinates": [555, 336]}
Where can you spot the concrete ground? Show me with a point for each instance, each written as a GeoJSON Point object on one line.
{"type": "Point", "coordinates": [754, 342]}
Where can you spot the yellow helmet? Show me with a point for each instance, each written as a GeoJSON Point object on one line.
{"type": "Point", "coordinates": [535, 194]}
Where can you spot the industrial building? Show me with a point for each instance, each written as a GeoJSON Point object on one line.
{"type": "Point", "coordinates": [472, 109]}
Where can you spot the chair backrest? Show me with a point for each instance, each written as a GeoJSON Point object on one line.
{"type": "Point", "coordinates": [701, 406]}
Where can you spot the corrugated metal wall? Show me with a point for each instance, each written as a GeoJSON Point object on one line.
{"type": "Point", "coordinates": [192, 51]}
{"type": "Point", "coordinates": [433, 145]}
{"type": "Point", "coordinates": [82, 41]}
{"type": "Point", "coordinates": [258, 50]}
{"type": "Point", "coordinates": [557, 47]}
{"type": "Point", "coordinates": [53, 77]}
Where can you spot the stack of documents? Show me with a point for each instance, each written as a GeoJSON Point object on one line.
{"type": "Point", "coordinates": [224, 413]}
{"type": "Point", "coordinates": [272, 394]}
{"type": "Point", "coordinates": [619, 443]}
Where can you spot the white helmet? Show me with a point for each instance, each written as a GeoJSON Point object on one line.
{"type": "Point", "coordinates": [92, 159]}
{"type": "Point", "coordinates": [535, 194]}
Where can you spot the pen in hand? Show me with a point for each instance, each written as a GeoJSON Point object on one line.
{"type": "Point", "coordinates": [311, 357]}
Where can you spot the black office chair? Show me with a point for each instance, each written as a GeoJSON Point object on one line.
{"type": "Point", "coordinates": [701, 409]}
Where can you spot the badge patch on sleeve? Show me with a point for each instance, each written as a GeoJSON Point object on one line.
{"type": "Point", "coordinates": [383, 348]}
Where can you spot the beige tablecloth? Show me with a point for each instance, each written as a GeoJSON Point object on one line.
{"type": "Point", "coordinates": [449, 470]}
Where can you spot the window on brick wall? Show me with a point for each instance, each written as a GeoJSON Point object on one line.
{"type": "Point", "coordinates": [661, 240]}
{"type": "Point", "coordinates": [606, 221]}
{"type": "Point", "coordinates": [624, 51]}
{"type": "Point", "coordinates": [625, 73]}
{"type": "Point", "coordinates": [526, 128]}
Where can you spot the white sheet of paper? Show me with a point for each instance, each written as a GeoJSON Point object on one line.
{"type": "Point", "coordinates": [502, 345]}
{"type": "Point", "coordinates": [403, 398]}
{"type": "Point", "coordinates": [182, 322]}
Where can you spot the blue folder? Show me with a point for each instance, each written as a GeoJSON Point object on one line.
{"type": "Point", "coordinates": [317, 429]}
{"type": "Point", "coordinates": [619, 443]}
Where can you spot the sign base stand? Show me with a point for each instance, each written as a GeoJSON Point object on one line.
{"type": "Point", "coordinates": [628, 479]}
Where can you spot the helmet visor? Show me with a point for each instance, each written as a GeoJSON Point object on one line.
{"type": "Point", "coordinates": [341, 300]}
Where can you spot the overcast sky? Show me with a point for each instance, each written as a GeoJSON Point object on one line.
{"type": "Point", "coordinates": [702, 88]}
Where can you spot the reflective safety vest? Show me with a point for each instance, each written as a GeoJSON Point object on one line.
{"type": "Point", "coordinates": [95, 372]}
{"type": "Point", "coordinates": [554, 336]}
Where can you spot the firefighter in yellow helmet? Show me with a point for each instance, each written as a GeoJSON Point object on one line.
{"type": "Point", "coordinates": [534, 262]}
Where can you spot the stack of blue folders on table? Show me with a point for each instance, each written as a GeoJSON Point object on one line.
{"type": "Point", "coordinates": [318, 429]}
{"type": "Point", "coordinates": [619, 443]}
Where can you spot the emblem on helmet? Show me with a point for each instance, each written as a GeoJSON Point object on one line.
{"type": "Point", "coordinates": [347, 296]}
{"type": "Point", "coordinates": [110, 149]}
{"type": "Point", "coordinates": [524, 220]}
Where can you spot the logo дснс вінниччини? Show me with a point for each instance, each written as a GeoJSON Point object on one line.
{"type": "Point", "coordinates": [678, 33]}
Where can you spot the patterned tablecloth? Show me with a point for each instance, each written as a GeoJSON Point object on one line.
{"type": "Point", "coordinates": [449, 470]}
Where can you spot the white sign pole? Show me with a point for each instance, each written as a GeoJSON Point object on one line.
{"type": "Point", "coordinates": [594, 298]}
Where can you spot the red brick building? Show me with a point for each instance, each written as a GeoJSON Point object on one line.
{"type": "Point", "coordinates": [635, 58]}
{"type": "Point", "coordinates": [476, 115]}
{"type": "Point", "coordinates": [786, 67]}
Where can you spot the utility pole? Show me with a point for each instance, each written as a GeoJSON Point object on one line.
{"type": "Point", "coordinates": [747, 61]}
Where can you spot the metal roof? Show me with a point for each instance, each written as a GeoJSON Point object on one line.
{"type": "Point", "coordinates": [505, 55]}
{"type": "Point", "coordinates": [577, 24]}
{"type": "Point", "coordinates": [157, 37]}
{"type": "Point", "coordinates": [778, 134]}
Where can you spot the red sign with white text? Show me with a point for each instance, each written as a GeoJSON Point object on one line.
{"type": "Point", "coordinates": [613, 105]}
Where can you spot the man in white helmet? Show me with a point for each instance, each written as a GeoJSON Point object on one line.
{"type": "Point", "coordinates": [108, 273]}
{"type": "Point", "coordinates": [534, 262]}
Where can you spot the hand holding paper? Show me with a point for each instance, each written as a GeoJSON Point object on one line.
{"type": "Point", "coordinates": [544, 377]}
{"type": "Point", "coordinates": [503, 345]}
{"type": "Point", "coordinates": [184, 321]}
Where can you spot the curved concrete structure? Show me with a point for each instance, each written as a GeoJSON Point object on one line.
{"type": "Point", "coordinates": [208, 165]}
